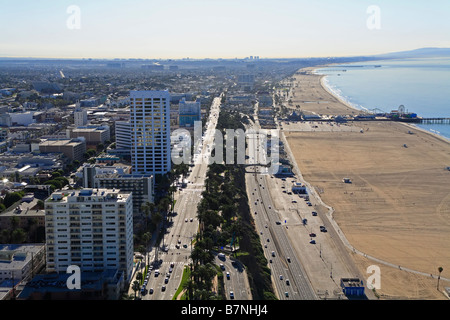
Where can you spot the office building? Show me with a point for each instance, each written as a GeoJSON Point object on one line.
{"type": "Point", "coordinates": [150, 132]}
{"type": "Point", "coordinates": [90, 228]}
{"type": "Point", "coordinates": [73, 149]}
{"type": "Point", "coordinates": [93, 135]}
{"type": "Point", "coordinates": [189, 112]}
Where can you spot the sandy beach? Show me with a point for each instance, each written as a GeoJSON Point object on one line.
{"type": "Point", "coordinates": [397, 206]}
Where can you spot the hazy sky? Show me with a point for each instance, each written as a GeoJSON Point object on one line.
{"type": "Point", "coordinates": [219, 28]}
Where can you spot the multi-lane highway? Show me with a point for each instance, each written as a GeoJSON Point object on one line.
{"type": "Point", "coordinates": [289, 277]}
{"type": "Point", "coordinates": [288, 274]}
{"type": "Point", "coordinates": [174, 251]}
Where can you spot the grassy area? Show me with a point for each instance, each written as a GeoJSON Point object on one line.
{"type": "Point", "coordinates": [184, 279]}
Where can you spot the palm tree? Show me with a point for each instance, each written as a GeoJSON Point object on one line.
{"type": "Point", "coordinates": [440, 269]}
{"type": "Point", "coordinates": [135, 287]}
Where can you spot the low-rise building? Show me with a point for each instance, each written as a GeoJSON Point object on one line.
{"type": "Point", "coordinates": [73, 149]}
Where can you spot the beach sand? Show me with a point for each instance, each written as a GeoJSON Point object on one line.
{"type": "Point", "coordinates": [397, 207]}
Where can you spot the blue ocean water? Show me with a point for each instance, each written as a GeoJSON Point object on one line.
{"type": "Point", "coordinates": [422, 86]}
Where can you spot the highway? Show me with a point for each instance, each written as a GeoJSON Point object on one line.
{"type": "Point", "coordinates": [288, 275]}
{"type": "Point", "coordinates": [173, 254]}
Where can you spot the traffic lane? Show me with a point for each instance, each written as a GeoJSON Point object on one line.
{"type": "Point", "coordinates": [300, 288]}
{"type": "Point", "coordinates": [234, 278]}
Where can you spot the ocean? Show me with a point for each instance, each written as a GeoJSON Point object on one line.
{"type": "Point", "coordinates": [422, 86]}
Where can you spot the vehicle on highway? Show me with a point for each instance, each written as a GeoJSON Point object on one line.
{"type": "Point", "coordinates": [231, 295]}
{"type": "Point", "coordinates": [281, 277]}
{"type": "Point", "coordinates": [273, 253]}
{"type": "Point", "coordinates": [287, 282]}
{"type": "Point", "coordinates": [228, 275]}
{"type": "Point", "coordinates": [163, 288]}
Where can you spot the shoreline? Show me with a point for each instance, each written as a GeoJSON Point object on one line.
{"type": "Point", "coordinates": [348, 104]}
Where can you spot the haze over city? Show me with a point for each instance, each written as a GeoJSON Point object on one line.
{"type": "Point", "coordinates": [219, 29]}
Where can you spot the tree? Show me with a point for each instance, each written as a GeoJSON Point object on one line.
{"type": "Point", "coordinates": [135, 287]}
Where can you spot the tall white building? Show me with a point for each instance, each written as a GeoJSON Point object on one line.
{"type": "Point", "coordinates": [90, 228]}
{"type": "Point", "coordinates": [150, 132]}
{"type": "Point", "coordinates": [79, 116]}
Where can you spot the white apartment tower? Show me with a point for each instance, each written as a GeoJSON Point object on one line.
{"type": "Point", "coordinates": [79, 116]}
{"type": "Point", "coordinates": [150, 132]}
{"type": "Point", "coordinates": [90, 228]}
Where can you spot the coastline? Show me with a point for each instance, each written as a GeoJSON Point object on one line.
{"type": "Point", "coordinates": [327, 87]}
{"type": "Point", "coordinates": [397, 205]}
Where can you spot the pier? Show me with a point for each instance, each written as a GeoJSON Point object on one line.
{"type": "Point", "coordinates": [435, 120]}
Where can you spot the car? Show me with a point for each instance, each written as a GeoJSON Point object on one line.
{"type": "Point", "coordinates": [278, 222]}
{"type": "Point", "coordinates": [313, 242]}
{"type": "Point", "coordinates": [294, 201]}
{"type": "Point", "coordinates": [222, 266]}
{"type": "Point", "coordinates": [170, 270]}
{"type": "Point", "coordinates": [323, 229]}
{"type": "Point", "coordinates": [231, 295]}
{"type": "Point", "coordinates": [179, 241]}
{"type": "Point", "coordinates": [270, 207]}
{"type": "Point", "coordinates": [265, 246]}
{"type": "Point", "coordinates": [172, 264]}
{"type": "Point", "coordinates": [150, 291]}
{"type": "Point", "coordinates": [185, 220]}
{"type": "Point", "coordinates": [288, 259]}
{"type": "Point", "coordinates": [314, 213]}
{"type": "Point", "coordinates": [191, 219]}
{"type": "Point", "coordinates": [309, 204]}
{"type": "Point", "coordinates": [287, 282]}
{"type": "Point", "coordinates": [286, 294]}
{"type": "Point", "coordinates": [312, 234]}
{"type": "Point", "coordinates": [166, 280]}
{"type": "Point", "coordinates": [228, 275]}
{"type": "Point", "coordinates": [163, 288]}
{"type": "Point", "coordinates": [281, 277]}
{"type": "Point", "coordinates": [273, 253]}
{"type": "Point", "coordinates": [156, 272]}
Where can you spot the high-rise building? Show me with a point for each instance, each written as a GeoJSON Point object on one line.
{"type": "Point", "coordinates": [90, 228]}
{"type": "Point", "coordinates": [79, 116]}
{"type": "Point", "coordinates": [150, 132]}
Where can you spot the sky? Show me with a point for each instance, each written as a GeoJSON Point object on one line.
{"type": "Point", "coordinates": [174, 29]}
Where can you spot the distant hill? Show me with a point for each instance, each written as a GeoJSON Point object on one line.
{"type": "Point", "coordinates": [417, 53]}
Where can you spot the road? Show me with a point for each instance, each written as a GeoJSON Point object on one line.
{"type": "Point", "coordinates": [288, 275]}
{"type": "Point", "coordinates": [174, 252]}
{"type": "Point", "coordinates": [235, 278]}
